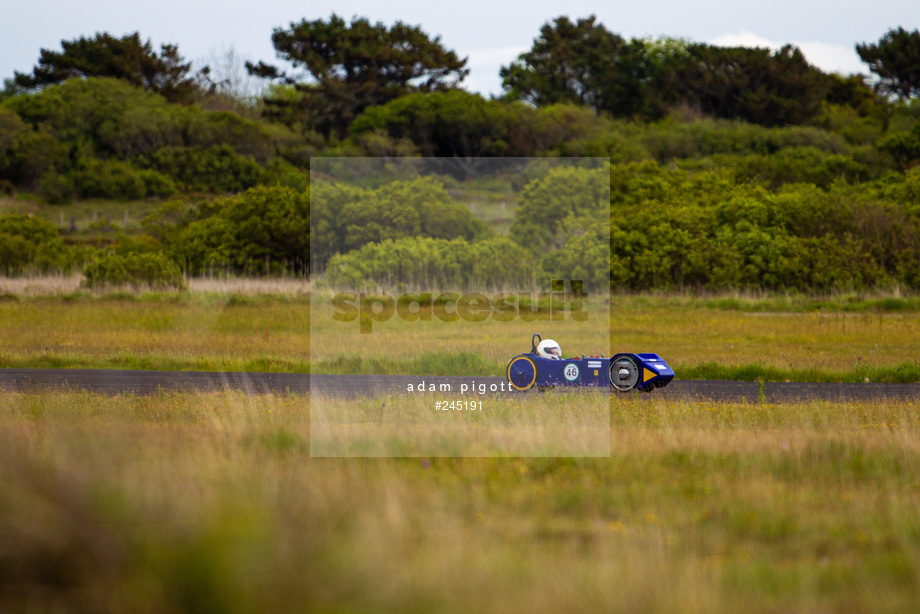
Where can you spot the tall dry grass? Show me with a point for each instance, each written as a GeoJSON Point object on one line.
{"type": "Point", "coordinates": [211, 502]}
{"type": "Point", "coordinates": [40, 285]}
{"type": "Point", "coordinates": [572, 423]}
{"type": "Point", "coordinates": [62, 285]}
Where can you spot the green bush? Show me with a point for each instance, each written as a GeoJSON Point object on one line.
{"type": "Point", "coordinates": [157, 184]}
{"type": "Point", "coordinates": [75, 126]}
{"type": "Point", "coordinates": [245, 136]}
{"type": "Point", "coordinates": [265, 230]}
{"type": "Point", "coordinates": [30, 244]}
{"type": "Point", "coordinates": [35, 153]}
{"type": "Point", "coordinates": [452, 123]}
{"type": "Point", "coordinates": [904, 147]}
{"type": "Point", "coordinates": [557, 204]}
{"type": "Point", "coordinates": [142, 244]}
{"type": "Point", "coordinates": [677, 228]}
{"type": "Point", "coordinates": [454, 264]}
{"type": "Point", "coordinates": [56, 189]}
{"type": "Point", "coordinates": [584, 257]}
{"type": "Point", "coordinates": [109, 179]}
{"type": "Point", "coordinates": [138, 269]}
{"type": "Point", "coordinates": [669, 139]}
{"type": "Point", "coordinates": [11, 127]}
{"type": "Point", "coordinates": [16, 253]}
{"type": "Point", "coordinates": [207, 169]}
{"type": "Point", "coordinates": [147, 125]}
{"type": "Point", "coordinates": [346, 218]}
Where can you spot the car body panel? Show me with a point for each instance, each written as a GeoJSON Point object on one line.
{"type": "Point", "coordinates": [529, 370]}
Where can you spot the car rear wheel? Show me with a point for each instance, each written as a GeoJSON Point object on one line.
{"type": "Point", "coordinates": [624, 373]}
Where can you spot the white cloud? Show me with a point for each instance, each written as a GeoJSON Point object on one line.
{"type": "Point", "coordinates": [484, 65]}
{"type": "Point", "coordinates": [743, 39]}
{"type": "Point", "coordinates": [828, 57]}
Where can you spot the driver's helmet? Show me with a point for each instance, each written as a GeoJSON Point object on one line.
{"type": "Point", "coordinates": [549, 349]}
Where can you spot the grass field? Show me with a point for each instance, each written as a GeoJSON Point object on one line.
{"type": "Point", "coordinates": [573, 423]}
{"type": "Point", "coordinates": [211, 502]}
{"type": "Point", "coordinates": [205, 332]}
{"type": "Point", "coordinates": [265, 326]}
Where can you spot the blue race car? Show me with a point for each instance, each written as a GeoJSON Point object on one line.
{"type": "Point", "coordinates": [544, 367]}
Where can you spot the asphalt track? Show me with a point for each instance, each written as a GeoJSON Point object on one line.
{"type": "Point", "coordinates": [114, 382]}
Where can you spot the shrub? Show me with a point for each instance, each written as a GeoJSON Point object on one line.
{"type": "Point", "coordinates": [264, 230]}
{"type": "Point", "coordinates": [10, 129]}
{"type": "Point", "coordinates": [667, 140]}
{"type": "Point", "coordinates": [63, 125]}
{"type": "Point", "coordinates": [139, 269]}
{"type": "Point", "coordinates": [109, 179]}
{"type": "Point", "coordinates": [31, 244]}
{"type": "Point", "coordinates": [454, 123]}
{"type": "Point", "coordinates": [35, 153]}
{"type": "Point", "coordinates": [553, 205]}
{"type": "Point", "coordinates": [16, 253]}
{"type": "Point", "coordinates": [157, 184]}
{"type": "Point", "coordinates": [56, 189]}
{"type": "Point", "coordinates": [790, 165]}
{"type": "Point", "coordinates": [904, 147]}
{"type": "Point", "coordinates": [146, 126]}
{"type": "Point", "coordinates": [454, 264]}
{"type": "Point", "coordinates": [213, 169]}
{"type": "Point", "coordinates": [245, 136]}
{"type": "Point", "coordinates": [584, 257]}
{"type": "Point", "coordinates": [346, 218]}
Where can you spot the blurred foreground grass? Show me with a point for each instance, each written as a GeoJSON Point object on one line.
{"type": "Point", "coordinates": [211, 503]}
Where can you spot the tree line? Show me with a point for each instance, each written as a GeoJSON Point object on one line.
{"type": "Point", "coordinates": [639, 225]}
{"type": "Point", "coordinates": [730, 167]}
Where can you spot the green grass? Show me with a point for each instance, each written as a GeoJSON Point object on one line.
{"type": "Point", "coordinates": [429, 363]}
{"type": "Point", "coordinates": [244, 329]}
{"type": "Point", "coordinates": [252, 364]}
{"type": "Point", "coordinates": [161, 332]}
{"type": "Point", "coordinates": [439, 363]}
{"type": "Point", "coordinates": [766, 303]}
{"type": "Point", "coordinates": [211, 502]}
{"type": "Point", "coordinates": [901, 373]}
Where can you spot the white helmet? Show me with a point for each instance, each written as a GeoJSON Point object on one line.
{"type": "Point", "coordinates": [549, 349]}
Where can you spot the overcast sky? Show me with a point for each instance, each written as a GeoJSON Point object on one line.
{"type": "Point", "coordinates": [489, 33]}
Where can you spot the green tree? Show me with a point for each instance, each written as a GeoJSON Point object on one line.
{"type": "Point", "coordinates": [11, 127]}
{"type": "Point", "coordinates": [10, 89]}
{"type": "Point", "coordinates": [895, 58]}
{"type": "Point", "coordinates": [456, 264]}
{"type": "Point", "coordinates": [264, 230]}
{"type": "Point", "coordinates": [565, 201]}
{"type": "Point", "coordinates": [346, 218]}
{"type": "Point", "coordinates": [346, 67]}
{"type": "Point", "coordinates": [29, 243]}
{"type": "Point", "coordinates": [903, 146]}
{"type": "Point", "coordinates": [105, 117]}
{"type": "Point", "coordinates": [457, 126]}
{"type": "Point", "coordinates": [581, 63]}
{"type": "Point", "coordinates": [585, 257]}
{"type": "Point", "coordinates": [851, 91]}
{"type": "Point", "coordinates": [138, 270]}
{"type": "Point", "coordinates": [214, 169]}
{"type": "Point", "coordinates": [755, 85]}
{"type": "Point", "coordinates": [34, 154]}
{"type": "Point", "coordinates": [127, 58]}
